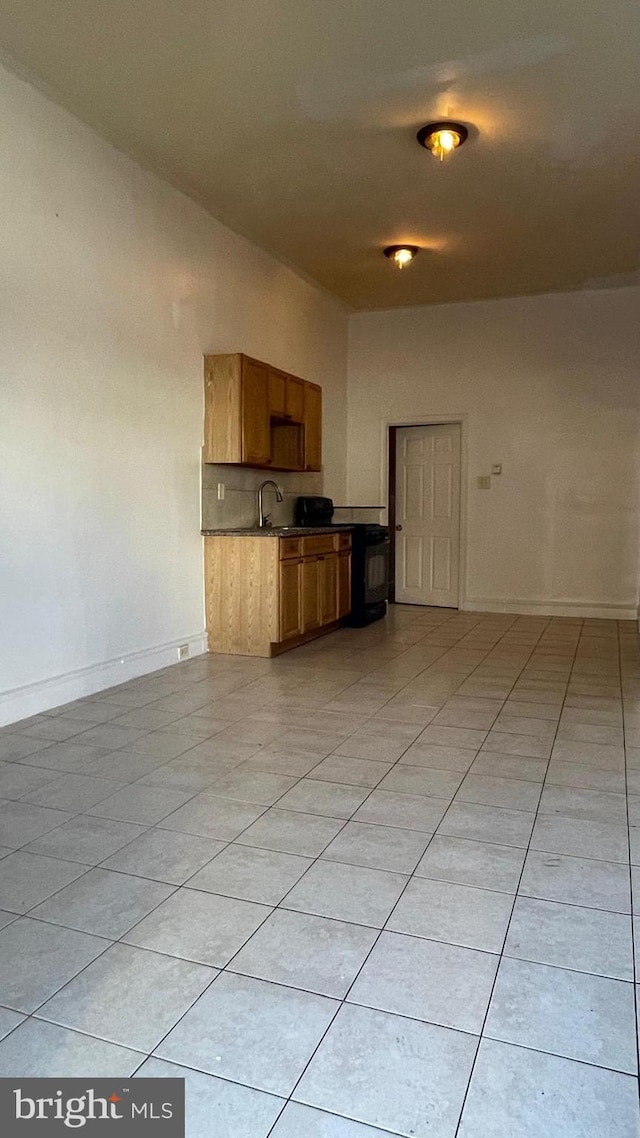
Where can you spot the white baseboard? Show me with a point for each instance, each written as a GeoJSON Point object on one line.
{"type": "Point", "coordinates": [594, 611]}
{"type": "Point", "coordinates": [20, 703]}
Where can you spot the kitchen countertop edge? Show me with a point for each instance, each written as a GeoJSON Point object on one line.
{"type": "Point", "coordinates": [276, 531]}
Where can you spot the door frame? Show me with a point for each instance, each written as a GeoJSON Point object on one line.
{"type": "Point", "coordinates": [389, 429]}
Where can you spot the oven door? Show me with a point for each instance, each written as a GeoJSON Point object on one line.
{"type": "Point", "coordinates": [376, 571]}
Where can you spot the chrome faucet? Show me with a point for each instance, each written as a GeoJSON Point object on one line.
{"type": "Point", "coordinates": [265, 519]}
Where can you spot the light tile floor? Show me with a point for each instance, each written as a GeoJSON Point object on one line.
{"type": "Point", "coordinates": [379, 885]}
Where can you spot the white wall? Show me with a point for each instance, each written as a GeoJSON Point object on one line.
{"type": "Point", "coordinates": [550, 387]}
{"type": "Point", "coordinates": [112, 286]}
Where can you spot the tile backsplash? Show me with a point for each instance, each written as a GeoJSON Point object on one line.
{"type": "Point", "coordinates": [240, 505]}
{"type": "Point", "coordinates": [348, 515]}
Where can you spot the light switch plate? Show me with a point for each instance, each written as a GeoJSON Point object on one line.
{"type": "Point", "coordinates": [484, 482]}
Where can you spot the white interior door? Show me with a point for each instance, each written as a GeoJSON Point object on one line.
{"type": "Point", "coordinates": [428, 515]}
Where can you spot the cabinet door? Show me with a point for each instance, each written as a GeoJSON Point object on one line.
{"type": "Point", "coordinates": [310, 593]}
{"type": "Point", "coordinates": [223, 408]}
{"type": "Point", "coordinates": [287, 446]}
{"type": "Point", "coordinates": [256, 440]}
{"type": "Point", "coordinates": [277, 393]}
{"type": "Point", "coordinates": [290, 599]}
{"type": "Point", "coordinates": [312, 427]}
{"type": "Point", "coordinates": [295, 399]}
{"type": "Point", "coordinates": [328, 589]}
{"type": "Point", "coordinates": [344, 584]}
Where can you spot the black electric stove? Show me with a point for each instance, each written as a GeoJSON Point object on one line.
{"type": "Point", "coordinates": [369, 559]}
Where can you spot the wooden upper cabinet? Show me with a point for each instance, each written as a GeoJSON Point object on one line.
{"type": "Point", "coordinates": [313, 426]}
{"type": "Point", "coordinates": [256, 435]}
{"type": "Point", "coordinates": [260, 416]}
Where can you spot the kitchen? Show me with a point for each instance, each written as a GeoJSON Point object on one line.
{"type": "Point", "coordinates": [270, 587]}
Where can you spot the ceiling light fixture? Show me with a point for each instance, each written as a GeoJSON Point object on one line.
{"type": "Point", "coordinates": [401, 255]}
{"type": "Point", "coordinates": [442, 138]}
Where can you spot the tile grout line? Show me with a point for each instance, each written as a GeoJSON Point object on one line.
{"type": "Point", "coordinates": [174, 891]}
{"type": "Point", "coordinates": [344, 1000]}
{"type": "Point", "coordinates": [220, 972]}
{"type": "Point", "coordinates": [119, 940]}
{"type": "Point", "coordinates": [370, 720]}
{"type": "Point", "coordinates": [89, 868]}
{"type": "Point", "coordinates": [501, 955]}
{"type": "Point", "coordinates": [631, 891]}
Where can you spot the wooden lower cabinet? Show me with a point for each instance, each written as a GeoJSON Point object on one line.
{"type": "Point", "coordinates": [266, 594]}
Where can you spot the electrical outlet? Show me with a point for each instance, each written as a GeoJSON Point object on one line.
{"type": "Point", "coordinates": [221, 491]}
{"type": "Point", "coordinates": [496, 468]}
{"type": "Point", "coordinates": [183, 652]}
{"type": "Point", "coordinates": [484, 482]}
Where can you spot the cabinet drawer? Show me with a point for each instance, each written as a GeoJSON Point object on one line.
{"type": "Point", "coordinates": [321, 543]}
{"type": "Point", "coordinates": [344, 541]}
{"type": "Point", "coordinates": [289, 547]}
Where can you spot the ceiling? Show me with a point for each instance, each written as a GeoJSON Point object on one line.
{"type": "Point", "coordinates": [293, 121]}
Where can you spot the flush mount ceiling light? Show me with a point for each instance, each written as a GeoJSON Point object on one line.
{"type": "Point", "coordinates": [401, 255]}
{"type": "Point", "coordinates": [442, 138]}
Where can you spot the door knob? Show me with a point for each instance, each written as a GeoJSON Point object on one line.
{"type": "Point", "coordinates": [398, 528]}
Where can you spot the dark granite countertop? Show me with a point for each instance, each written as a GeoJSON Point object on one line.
{"type": "Point", "coordinates": [275, 531]}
